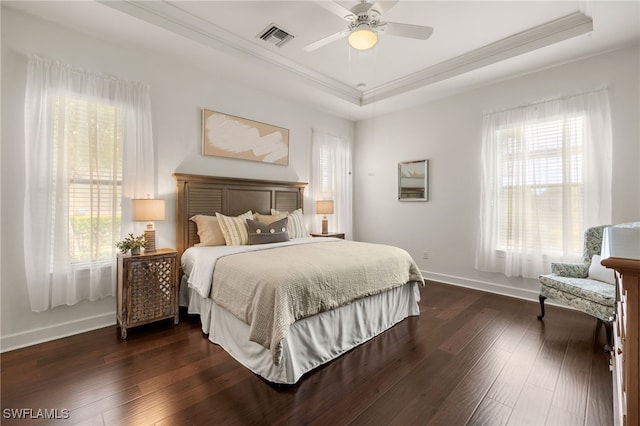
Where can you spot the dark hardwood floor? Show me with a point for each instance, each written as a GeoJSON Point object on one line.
{"type": "Point", "coordinates": [470, 358]}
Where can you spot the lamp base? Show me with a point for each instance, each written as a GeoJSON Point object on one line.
{"type": "Point", "coordinates": [150, 238]}
{"type": "Point", "coordinates": [325, 225]}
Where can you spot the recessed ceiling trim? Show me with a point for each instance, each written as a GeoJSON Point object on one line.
{"type": "Point", "coordinates": [172, 18]}
{"type": "Point", "coordinates": [534, 38]}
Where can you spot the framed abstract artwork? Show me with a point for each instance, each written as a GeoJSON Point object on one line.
{"type": "Point", "coordinates": [225, 135]}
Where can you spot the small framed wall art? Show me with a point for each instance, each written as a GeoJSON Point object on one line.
{"type": "Point", "coordinates": [225, 135]}
{"type": "Point", "coordinates": [413, 180]}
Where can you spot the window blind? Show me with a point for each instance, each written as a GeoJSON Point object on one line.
{"type": "Point", "coordinates": [87, 154]}
{"type": "Point", "coordinates": [542, 170]}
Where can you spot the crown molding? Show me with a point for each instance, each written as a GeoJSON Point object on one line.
{"type": "Point", "coordinates": [176, 20]}
{"type": "Point", "coordinates": [170, 17]}
{"type": "Point", "coordinates": [526, 41]}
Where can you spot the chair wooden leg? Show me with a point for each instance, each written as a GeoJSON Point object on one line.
{"type": "Point", "coordinates": [542, 299]}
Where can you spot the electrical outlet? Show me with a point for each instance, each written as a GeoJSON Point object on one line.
{"type": "Point", "coordinates": [425, 254]}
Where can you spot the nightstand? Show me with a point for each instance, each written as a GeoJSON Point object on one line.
{"type": "Point", "coordinates": [147, 288]}
{"type": "Point", "coordinates": [330, 234]}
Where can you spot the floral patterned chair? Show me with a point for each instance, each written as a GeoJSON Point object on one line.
{"type": "Point", "coordinates": [569, 284]}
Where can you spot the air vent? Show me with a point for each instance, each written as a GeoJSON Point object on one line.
{"type": "Point", "coordinates": [276, 35]}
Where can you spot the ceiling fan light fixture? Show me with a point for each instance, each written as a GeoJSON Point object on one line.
{"type": "Point", "coordinates": [363, 38]}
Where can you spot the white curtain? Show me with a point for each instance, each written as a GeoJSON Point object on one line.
{"type": "Point", "coordinates": [331, 179]}
{"type": "Point", "coordinates": [546, 177]}
{"type": "Point", "coordinates": [55, 89]}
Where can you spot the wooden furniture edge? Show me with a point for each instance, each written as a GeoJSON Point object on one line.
{"type": "Point", "coordinates": [621, 263]}
{"type": "Point", "coordinates": [185, 177]}
{"type": "Point", "coordinates": [629, 269]}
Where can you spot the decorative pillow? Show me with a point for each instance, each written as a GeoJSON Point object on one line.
{"type": "Point", "coordinates": [209, 230]}
{"type": "Point", "coordinates": [296, 223]}
{"type": "Point", "coordinates": [234, 229]}
{"type": "Point", "coordinates": [268, 219]}
{"type": "Point", "coordinates": [260, 233]}
{"type": "Point", "coordinates": [599, 272]}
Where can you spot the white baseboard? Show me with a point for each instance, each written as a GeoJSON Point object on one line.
{"type": "Point", "coordinates": [504, 290]}
{"type": "Point", "coordinates": [58, 331]}
{"type": "Point", "coordinates": [482, 285]}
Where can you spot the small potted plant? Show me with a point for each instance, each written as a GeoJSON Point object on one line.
{"type": "Point", "coordinates": [132, 243]}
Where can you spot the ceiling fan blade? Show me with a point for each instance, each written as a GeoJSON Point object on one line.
{"type": "Point", "coordinates": [384, 6]}
{"type": "Point", "coordinates": [407, 30]}
{"type": "Point", "coordinates": [324, 41]}
{"type": "Point", "coordinates": [334, 8]}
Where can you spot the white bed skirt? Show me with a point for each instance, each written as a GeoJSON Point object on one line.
{"type": "Point", "coordinates": [311, 341]}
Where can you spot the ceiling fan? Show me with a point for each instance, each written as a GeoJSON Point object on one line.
{"type": "Point", "coordinates": [364, 24]}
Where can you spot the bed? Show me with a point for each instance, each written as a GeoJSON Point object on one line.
{"type": "Point", "coordinates": [298, 333]}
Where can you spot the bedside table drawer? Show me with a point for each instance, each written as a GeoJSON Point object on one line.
{"type": "Point", "coordinates": [147, 288]}
{"type": "Point", "coordinates": [151, 291]}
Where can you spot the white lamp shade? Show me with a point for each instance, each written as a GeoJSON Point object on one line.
{"type": "Point", "coordinates": [324, 206]}
{"type": "Point", "coordinates": [146, 210]}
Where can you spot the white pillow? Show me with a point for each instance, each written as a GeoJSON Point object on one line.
{"type": "Point", "coordinates": [599, 272]}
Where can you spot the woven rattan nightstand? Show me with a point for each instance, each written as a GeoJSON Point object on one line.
{"type": "Point", "coordinates": [147, 288]}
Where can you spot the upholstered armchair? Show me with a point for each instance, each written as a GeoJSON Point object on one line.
{"type": "Point", "coordinates": [570, 284]}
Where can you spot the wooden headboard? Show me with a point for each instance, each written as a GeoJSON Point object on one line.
{"type": "Point", "coordinates": [196, 194]}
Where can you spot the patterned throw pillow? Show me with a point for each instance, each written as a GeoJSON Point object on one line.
{"type": "Point", "coordinates": [296, 223]}
{"type": "Point", "coordinates": [209, 231]}
{"type": "Point", "coordinates": [260, 233]}
{"type": "Point", "coordinates": [234, 229]}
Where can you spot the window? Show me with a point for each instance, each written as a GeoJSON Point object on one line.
{"type": "Point", "coordinates": [331, 178]}
{"type": "Point", "coordinates": [542, 170]}
{"type": "Point", "coordinates": [546, 177]}
{"type": "Point", "coordinates": [327, 171]}
{"type": "Point", "coordinates": [88, 152]}
{"type": "Point", "coordinates": [87, 139]}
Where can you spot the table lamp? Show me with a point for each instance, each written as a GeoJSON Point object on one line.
{"type": "Point", "coordinates": [148, 210]}
{"type": "Point", "coordinates": [324, 207]}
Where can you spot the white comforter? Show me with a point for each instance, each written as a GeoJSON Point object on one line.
{"type": "Point", "coordinates": [284, 282]}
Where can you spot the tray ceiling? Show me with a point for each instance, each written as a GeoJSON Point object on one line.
{"type": "Point", "coordinates": [473, 43]}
